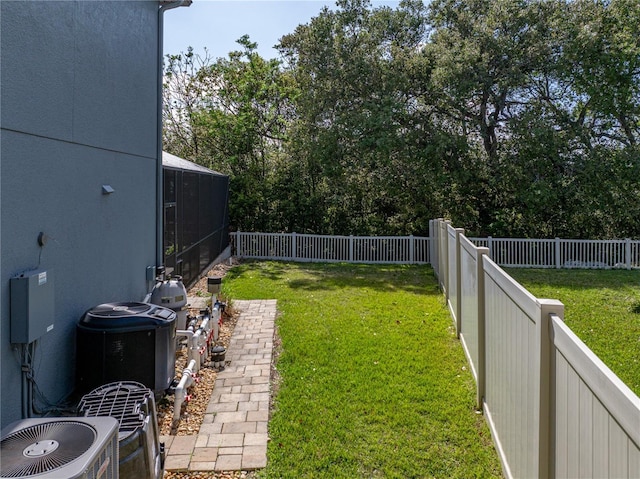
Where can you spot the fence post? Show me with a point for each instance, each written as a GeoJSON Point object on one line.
{"type": "Point", "coordinates": [444, 258]}
{"type": "Point", "coordinates": [239, 244]}
{"type": "Point", "coordinates": [458, 298]}
{"type": "Point", "coordinates": [546, 381]}
{"type": "Point", "coordinates": [490, 246]}
{"type": "Point", "coordinates": [482, 360]}
{"type": "Point", "coordinates": [434, 237]}
{"type": "Point", "coordinates": [294, 248]}
{"type": "Point", "coordinates": [627, 253]}
{"type": "Point", "coordinates": [351, 248]}
{"type": "Point", "coordinates": [431, 240]}
{"type": "Point", "coordinates": [557, 251]}
{"type": "Point", "coordinates": [411, 250]}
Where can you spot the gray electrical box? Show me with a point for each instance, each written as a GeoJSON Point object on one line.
{"type": "Point", "coordinates": [32, 304]}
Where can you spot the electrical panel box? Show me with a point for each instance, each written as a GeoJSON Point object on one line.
{"type": "Point", "coordinates": [32, 306]}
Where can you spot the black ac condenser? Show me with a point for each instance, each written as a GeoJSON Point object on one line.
{"type": "Point", "coordinates": [126, 342]}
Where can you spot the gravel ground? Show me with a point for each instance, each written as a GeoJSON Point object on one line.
{"type": "Point", "coordinates": [210, 475]}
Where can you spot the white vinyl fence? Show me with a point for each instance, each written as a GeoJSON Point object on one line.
{"type": "Point", "coordinates": [507, 252]}
{"type": "Point", "coordinates": [554, 409]}
{"type": "Point", "coordinates": [351, 249]}
{"type": "Point", "coordinates": [562, 253]}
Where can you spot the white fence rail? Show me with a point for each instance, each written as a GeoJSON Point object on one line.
{"type": "Point", "coordinates": [554, 409]}
{"type": "Point", "coordinates": [562, 253]}
{"type": "Point", "coordinates": [507, 252]}
{"type": "Point", "coordinates": [353, 249]}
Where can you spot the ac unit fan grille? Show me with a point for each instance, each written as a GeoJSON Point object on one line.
{"type": "Point", "coordinates": [120, 309]}
{"type": "Point", "coordinates": [73, 440]}
{"type": "Point", "coordinates": [122, 400]}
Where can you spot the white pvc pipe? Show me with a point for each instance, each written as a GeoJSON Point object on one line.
{"type": "Point", "coordinates": [185, 381]}
{"type": "Point", "coordinates": [208, 333]}
{"type": "Point", "coordinates": [189, 335]}
{"type": "Point", "coordinates": [216, 322]}
{"type": "Point", "coordinates": [196, 348]}
{"type": "Point", "coordinates": [201, 341]}
{"type": "Point", "coordinates": [185, 333]}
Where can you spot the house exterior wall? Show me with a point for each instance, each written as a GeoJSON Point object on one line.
{"type": "Point", "coordinates": [79, 110]}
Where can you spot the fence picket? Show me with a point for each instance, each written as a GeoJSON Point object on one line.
{"type": "Point", "coordinates": [353, 249]}
{"type": "Point", "coordinates": [507, 252]}
{"type": "Point", "coordinates": [554, 409]}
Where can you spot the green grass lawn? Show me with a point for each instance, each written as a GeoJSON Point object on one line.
{"type": "Point", "coordinates": [602, 307]}
{"type": "Point", "coordinates": [373, 381]}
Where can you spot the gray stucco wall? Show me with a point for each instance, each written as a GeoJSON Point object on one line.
{"type": "Point", "coordinates": [79, 90]}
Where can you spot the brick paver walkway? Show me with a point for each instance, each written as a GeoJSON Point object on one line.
{"type": "Point", "coordinates": [233, 435]}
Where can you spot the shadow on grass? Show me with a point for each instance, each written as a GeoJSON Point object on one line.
{"type": "Point", "coordinates": [416, 279]}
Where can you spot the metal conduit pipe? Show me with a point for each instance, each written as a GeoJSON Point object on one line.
{"type": "Point", "coordinates": [186, 380]}
{"type": "Point", "coordinates": [26, 400]}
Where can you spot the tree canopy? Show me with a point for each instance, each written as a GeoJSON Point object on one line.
{"type": "Point", "coordinates": [511, 117]}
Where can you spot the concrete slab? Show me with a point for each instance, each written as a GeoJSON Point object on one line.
{"type": "Point", "coordinates": [229, 463]}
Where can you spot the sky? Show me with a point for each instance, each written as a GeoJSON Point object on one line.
{"type": "Point", "coordinates": [217, 24]}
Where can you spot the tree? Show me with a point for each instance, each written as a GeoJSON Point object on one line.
{"type": "Point", "coordinates": [182, 99]}
{"type": "Point", "coordinates": [511, 117]}
{"type": "Point", "coordinates": [231, 115]}
{"type": "Point", "coordinates": [546, 90]}
{"type": "Point", "coordinates": [360, 128]}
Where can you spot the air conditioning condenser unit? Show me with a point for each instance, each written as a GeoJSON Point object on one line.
{"type": "Point", "coordinates": [60, 447]}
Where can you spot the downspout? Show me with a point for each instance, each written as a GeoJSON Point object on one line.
{"type": "Point", "coordinates": [164, 6]}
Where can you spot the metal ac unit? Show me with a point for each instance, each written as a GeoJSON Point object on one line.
{"type": "Point", "coordinates": [61, 447]}
{"type": "Point", "coordinates": [141, 455]}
